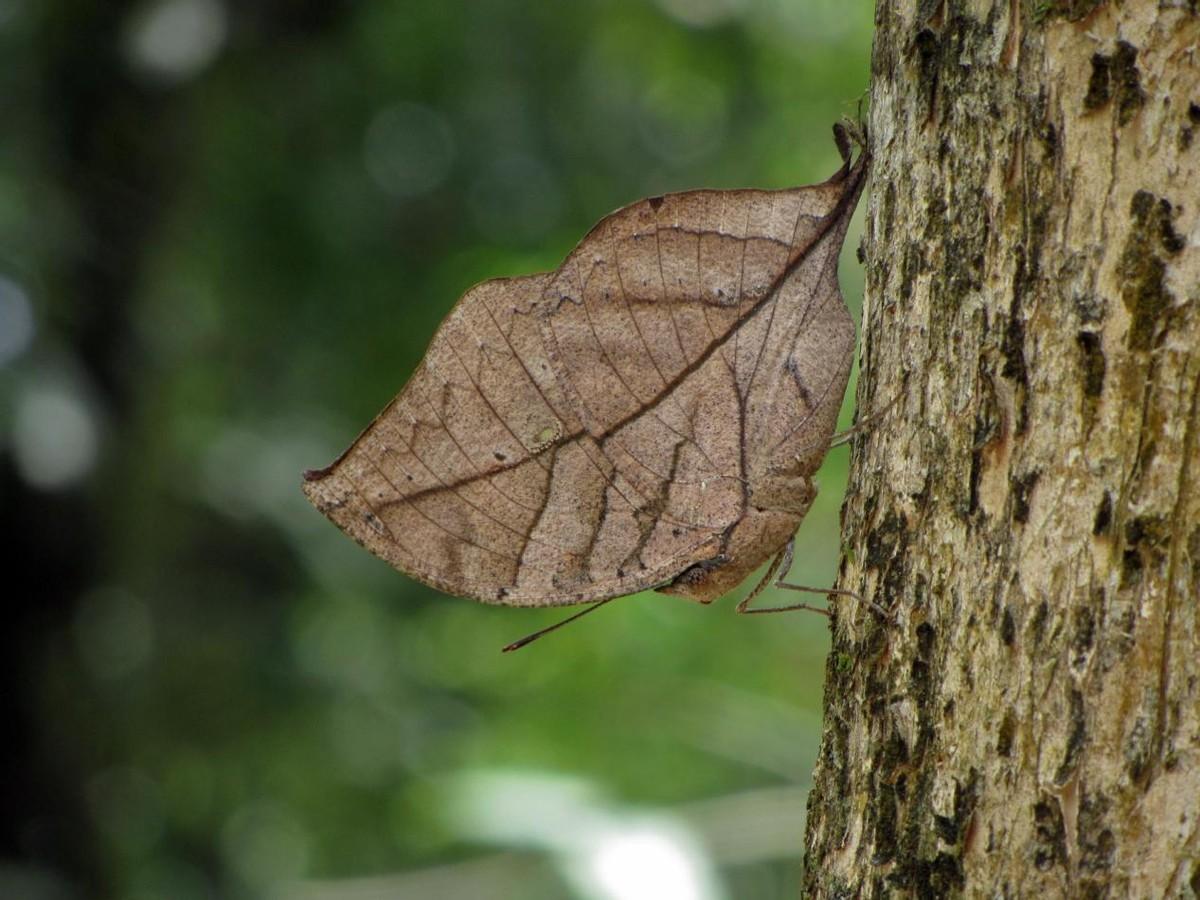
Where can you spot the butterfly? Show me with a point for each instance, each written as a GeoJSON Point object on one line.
{"type": "Point", "coordinates": [648, 415]}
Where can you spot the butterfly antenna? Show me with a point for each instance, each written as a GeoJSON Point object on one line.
{"type": "Point", "coordinates": [530, 638]}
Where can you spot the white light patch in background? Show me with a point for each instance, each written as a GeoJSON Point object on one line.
{"type": "Point", "coordinates": [605, 853]}
{"type": "Point", "coordinates": [646, 862]}
{"type": "Point", "coordinates": [16, 321]}
{"type": "Point", "coordinates": [601, 851]}
{"type": "Point", "coordinates": [173, 40]}
{"type": "Point", "coordinates": [55, 436]}
{"type": "Point", "coordinates": [408, 150]}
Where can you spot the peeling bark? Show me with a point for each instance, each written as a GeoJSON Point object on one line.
{"type": "Point", "coordinates": [1030, 507]}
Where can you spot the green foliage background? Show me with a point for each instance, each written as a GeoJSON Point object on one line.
{"type": "Point", "coordinates": [231, 268]}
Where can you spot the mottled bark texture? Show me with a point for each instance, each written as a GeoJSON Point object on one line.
{"type": "Point", "coordinates": [1030, 507]}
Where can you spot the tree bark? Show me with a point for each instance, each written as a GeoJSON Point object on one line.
{"type": "Point", "coordinates": [1029, 509]}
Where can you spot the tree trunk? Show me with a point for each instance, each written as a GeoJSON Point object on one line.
{"type": "Point", "coordinates": [1029, 509]}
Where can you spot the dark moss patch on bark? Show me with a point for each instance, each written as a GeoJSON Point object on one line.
{"type": "Point", "coordinates": [1022, 493]}
{"type": "Point", "coordinates": [1075, 739]}
{"type": "Point", "coordinates": [927, 53]}
{"type": "Point", "coordinates": [1188, 130]}
{"type": "Point", "coordinates": [884, 540]}
{"type": "Point", "coordinates": [973, 481]}
{"type": "Point", "coordinates": [1145, 296]}
{"type": "Point", "coordinates": [1099, 91]}
{"type": "Point", "coordinates": [1014, 335]}
{"type": "Point", "coordinates": [919, 678]}
{"type": "Point", "coordinates": [885, 551]}
{"type": "Point", "coordinates": [1050, 839]}
{"type": "Point", "coordinates": [1097, 845]}
{"type": "Point", "coordinates": [1146, 540]}
{"type": "Point", "coordinates": [953, 829]}
{"type": "Point", "coordinates": [1142, 270]}
{"type": "Point", "coordinates": [893, 755]}
{"type": "Point", "coordinates": [1138, 750]}
{"type": "Point", "coordinates": [1013, 343]}
{"type": "Point", "coordinates": [887, 212]}
{"type": "Point", "coordinates": [920, 870]}
{"type": "Point", "coordinates": [1103, 520]}
{"type": "Point", "coordinates": [884, 847]}
{"type": "Point", "coordinates": [1093, 367]}
{"type": "Point", "coordinates": [1037, 625]}
{"type": "Point", "coordinates": [831, 792]}
{"type": "Point", "coordinates": [938, 877]}
{"type": "Point", "coordinates": [1084, 637]}
{"type": "Point", "coordinates": [1131, 568]}
{"type": "Point", "coordinates": [1127, 83]}
{"type": "Point", "coordinates": [1006, 733]}
{"type": "Point", "coordinates": [964, 265]}
{"type": "Point", "coordinates": [1172, 240]}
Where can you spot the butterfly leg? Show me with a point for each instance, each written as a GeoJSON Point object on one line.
{"type": "Point", "coordinates": [780, 566]}
{"type": "Point", "coordinates": [782, 560]}
{"type": "Point", "coordinates": [843, 437]}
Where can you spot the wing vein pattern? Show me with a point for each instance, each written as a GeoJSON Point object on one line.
{"type": "Point", "coordinates": [600, 429]}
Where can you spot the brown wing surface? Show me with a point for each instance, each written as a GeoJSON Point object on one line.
{"type": "Point", "coordinates": [478, 480]}
{"type": "Point", "coordinates": [701, 338]}
{"type": "Point", "coordinates": [584, 433]}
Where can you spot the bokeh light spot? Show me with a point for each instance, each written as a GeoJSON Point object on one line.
{"type": "Point", "coordinates": [265, 845]}
{"type": "Point", "coordinates": [173, 40]}
{"type": "Point", "coordinates": [16, 321]}
{"type": "Point", "coordinates": [645, 864]}
{"type": "Point", "coordinates": [55, 436]}
{"type": "Point", "coordinates": [408, 150]}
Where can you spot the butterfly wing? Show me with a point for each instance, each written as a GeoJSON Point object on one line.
{"type": "Point", "coordinates": [583, 434]}
{"type": "Point", "coordinates": [702, 342]}
{"type": "Point", "coordinates": [478, 479]}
